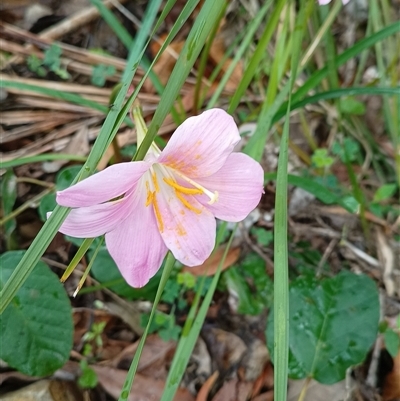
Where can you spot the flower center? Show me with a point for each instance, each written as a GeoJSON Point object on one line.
{"type": "Point", "coordinates": [197, 190]}
{"type": "Point", "coordinates": [153, 188]}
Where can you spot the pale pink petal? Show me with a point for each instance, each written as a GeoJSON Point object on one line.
{"type": "Point", "coordinates": [345, 2]}
{"type": "Point", "coordinates": [103, 186]}
{"type": "Point", "coordinates": [200, 146]}
{"type": "Point", "coordinates": [239, 184]}
{"type": "Point", "coordinates": [92, 221]}
{"type": "Point", "coordinates": [323, 2]}
{"type": "Point", "coordinates": [189, 235]}
{"type": "Point", "coordinates": [136, 245]}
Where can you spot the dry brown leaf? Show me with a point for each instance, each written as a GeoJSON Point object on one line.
{"type": "Point", "coordinates": [234, 390]}
{"type": "Point", "coordinates": [217, 53]}
{"type": "Point", "coordinates": [210, 266]}
{"type": "Point", "coordinates": [391, 387]}
{"type": "Point", "coordinates": [144, 388]}
{"type": "Point", "coordinates": [207, 386]}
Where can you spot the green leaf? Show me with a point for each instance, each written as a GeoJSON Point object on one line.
{"type": "Point", "coordinates": [36, 328]}
{"type": "Point", "coordinates": [349, 105]}
{"type": "Point", "coordinates": [319, 191]}
{"type": "Point", "coordinates": [384, 192]}
{"type": "Point", "coordinates": [392, 342]}
{"type": "Point", "coordinates": [321, 159]}
{"type": "Point", "coordinates": [263, 236]}
{"type": "Point", "coordinates": [88, 377]}
{"type": "Point", "coordinates": [100, 74]}
{"type": "Point", "coordinates": [333, 323]}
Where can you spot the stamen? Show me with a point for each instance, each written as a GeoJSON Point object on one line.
{"type": "Point", "coordinates": [155, 182]}
{"type": "Point", "coordinates": [186, 202]}
{"type": "Point", "coordinates": [212, 195]}
{"type": "Point", "coordinates": [157, 213]}
{"type": "Point", "coordinates": [150, 195]}
{"type": "Point", "coordinates": [180, 188]}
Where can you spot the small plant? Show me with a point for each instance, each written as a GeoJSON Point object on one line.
{"type": "Point", "coordinates": [51, 62]}
{"type": "Point", "coordinates": [100, 74]}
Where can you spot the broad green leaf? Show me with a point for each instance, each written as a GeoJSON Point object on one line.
{"type": "Point", "coordinates": [333, 323]}
{"type": "Point", "coordinates": [36, 328]}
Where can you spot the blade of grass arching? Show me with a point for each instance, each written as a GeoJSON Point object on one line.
{"type": "Point", "coordinates": [383, 78]}
{"type": "Point", "coordinates": [202, 27]}
{"type": "Point", "coordinates": [258, 55]}
{"type": "Point", "coordinates": [190, 333]}
{"type": "Point", "coordinates": [126, 389]}
{"type": "Point", "coordinates": [40, 158]}
{"type": "Point", "coordinates": [353, 51]}
{"type": "Point", "coordinates": [334, 94]}
{"type": "Point", "coordinates": [51, 226]}
{"type": "Point", "coordinates": [251, 30]}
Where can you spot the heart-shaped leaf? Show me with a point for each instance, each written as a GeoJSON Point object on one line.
{"type": "Point", "coordinates": [36, 328]}
{"type": "Point", "coordinates": [333, 324]}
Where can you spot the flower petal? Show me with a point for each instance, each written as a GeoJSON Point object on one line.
{"type": "Point", "coordinates": [201, 144]}
{"type": "Point", "coordinates": [92, 221]}
{"type": "Point", "coordinates": [189, 235]}
{"type": "Point", "coordinates": [103, 186]}
{"type": "Point", "coordinates": [136, 245]}
{"type": "Point", "coordinates": [239, 184]}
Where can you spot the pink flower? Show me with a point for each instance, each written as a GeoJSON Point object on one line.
{"type": "Point", "coordinates": [168, 201]}
{"type": "Point", "coordinates": [324, 2]}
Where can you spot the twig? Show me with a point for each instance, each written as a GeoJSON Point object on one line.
{"type": "Point", "coordinates": [372, 376]}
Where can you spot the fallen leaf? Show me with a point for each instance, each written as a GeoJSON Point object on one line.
{"type": "Point", "coordinates": [391, 387]}
{"type": "Point", "coordinates": [207, 386]}
{"type": "Point", "coordinates": [210, 266]}
{"type": "Point", "coordinates": [143, 388]}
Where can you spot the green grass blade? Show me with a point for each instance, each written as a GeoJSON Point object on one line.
{"type": "Point", "coordinates": [281, 273]}
{"type": "Point", "coordinates": [57, 94]}
{"type": "Point", "coordinates": [336, 93]}
{"type": "Point", "coordinates": [41, 158]}
{"type": "Point", "coordinates": [126, 389]}
{"type": "Point", "coordinates": [354, 51]}
{"type": "Point", "coordinates": [256, 144]}
{"type": "Point", "coordinates": [252, 28]}
{"type": "Point", "coordinates": [258, 55]}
